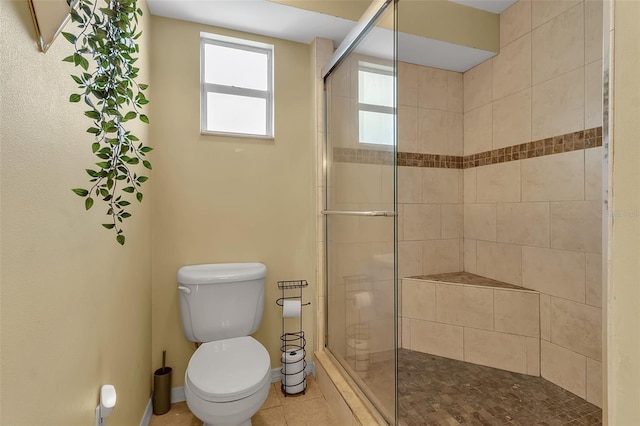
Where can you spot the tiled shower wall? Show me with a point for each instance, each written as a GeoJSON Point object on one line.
{"type": "Point", "coordinates": [430, 186]}
{"type": "Point", "coordinates": [535, 218]}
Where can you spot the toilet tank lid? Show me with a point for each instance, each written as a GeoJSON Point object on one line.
{"type": "Point", "coordinates": [214, 273]}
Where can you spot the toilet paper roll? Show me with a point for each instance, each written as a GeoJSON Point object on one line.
{"type": "Point", "coordinates": [291, 308]}
{"type": "Point", "coordinates": [362, 299]}
{"type": "Point", "coordinates": [293, 371]}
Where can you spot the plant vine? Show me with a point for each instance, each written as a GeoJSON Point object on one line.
{"type": "Point", "coordinates": [105, 50]}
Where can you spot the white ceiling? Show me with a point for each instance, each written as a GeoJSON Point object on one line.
{"type": "Point", "coordinates": [493, 6]}
{"type": "Point", "coordinates": [290, 23]}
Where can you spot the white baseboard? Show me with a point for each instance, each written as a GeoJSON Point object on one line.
{"type": "Point", "coordinates": [146, 417]}
{"type": "Point", "coordinates": [177, 393]}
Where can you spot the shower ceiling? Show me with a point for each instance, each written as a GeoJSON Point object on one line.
{"type": "Point", "coordinates": [277, 20]}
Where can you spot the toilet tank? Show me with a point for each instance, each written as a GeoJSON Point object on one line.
{"type": "Point", "coordinates": [221, 300]}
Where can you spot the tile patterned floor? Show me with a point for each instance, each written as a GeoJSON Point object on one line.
{"type": "Point", "coordinates": [296, 410]}
{"type": "Point", "coordinates": [439, 391]}
{"type": "Point", "coordinates": [432, 391]}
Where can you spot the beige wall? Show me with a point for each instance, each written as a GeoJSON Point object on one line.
{"type": "Point", "coordinates": [435, 19]}
{"type": "Point", "coordinates": [222, 199]}
{"type": "Point", "coordinates": [623, 292]}
{"type": "Point", "coordinates": [76, 306]}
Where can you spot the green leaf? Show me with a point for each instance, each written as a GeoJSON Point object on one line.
{"type": "Point", "coordinates": [88, 203]}
{"type": "Point", "coordinates": [69, 59]}
{"type": "Point", "coordinates": [81, 192]}
{"type": "Point", "coordinates": [130, 115]}
{"type": "Point", "coordinates": [110, 13]}
{"type": "Point", "coordinates": [146, 149]}
{"type": "Point", "coordinates": [143, 86]}
{"type": "Point", "coordinates": [124, 203]}
{"type": "Point", "coordinates": [142, 179]}
{"type": "Point", "coordinates": [144, 118]}
{"type": "Point", "coordinates": [88, 101]}
{"type": "Point", "coordinates": [125, 215]}
{"type": "Point", "coordinates": [139, 196]}
{"type": "Point", "coordinates": [84, 63]}
{"type": "Point", "coordinates": [70, 37]}
{"type": "Point", "coordinates": [146, 164]}
{"type": "Point", "coordinates": [129, 189]}
{"type": "Point", "coordinates": [75, 98]}
{"type": "Point", "coordinates": [109, 225]}
{"type": "Point", "coordinates": [95, 131]}
{"type": "Point", "coordinates": [120, 239]}
{"type": "Point", "coordinates": [103, 164]}
{"type": "Point", "coordinates": [92, 114]}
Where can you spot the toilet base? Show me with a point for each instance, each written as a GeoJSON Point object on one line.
{"type": "Point", "coordinates": [233, 413]}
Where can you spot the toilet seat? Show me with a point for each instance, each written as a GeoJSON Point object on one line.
{"type": "Point", "coordinates": [228, 370]}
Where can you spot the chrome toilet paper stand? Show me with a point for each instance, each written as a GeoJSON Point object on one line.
{"type": "Point", "coordinates": [292, 339]}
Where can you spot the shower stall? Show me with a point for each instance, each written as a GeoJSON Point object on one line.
{"type": "Point", "coordinates": [462, 211]}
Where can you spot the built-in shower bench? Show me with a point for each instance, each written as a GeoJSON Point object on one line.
{"type": "Point", "coordinates": [472, 318]}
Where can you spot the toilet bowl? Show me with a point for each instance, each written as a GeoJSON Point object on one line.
{"type": "Point", "coordinates": [227, 381]}
{"type": "Point", "coordinates": [229, 375]}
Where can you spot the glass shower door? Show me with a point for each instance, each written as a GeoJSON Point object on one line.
{"type": "Point", "coordinates": [360, 212]}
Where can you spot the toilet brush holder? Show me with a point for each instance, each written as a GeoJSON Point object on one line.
{"type": "Point", "coordinates": [162, 388]}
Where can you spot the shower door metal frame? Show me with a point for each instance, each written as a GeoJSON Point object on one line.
{"type": "Point", "coordinates": [347, 46]}
{"type": "Point", "coordinates": [362, 27]}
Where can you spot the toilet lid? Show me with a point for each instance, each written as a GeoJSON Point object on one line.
{"type": "Point", "coordinates": [228, 370]}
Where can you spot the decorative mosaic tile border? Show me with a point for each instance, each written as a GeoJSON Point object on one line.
{"type": "Point", "coordinates": [582, 139]}
{"type": "Point", "coordinates": [413, 159]}
{"type": "Point", "coordinates": [362, 156]}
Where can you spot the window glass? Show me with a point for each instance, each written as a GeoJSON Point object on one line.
{"type": "Point", "coordinates": [234, 67]}
{"type": "Point", "coordinates": [376, 114]}
{"type": "Point", "coordinates": [236, 114]}
{"type": "Point", "coordinates": [376, 127]}
{"type": "Point", "coordinates": [375, 88]}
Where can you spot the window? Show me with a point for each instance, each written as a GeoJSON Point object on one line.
{"type": "Point", "coordinates": [236, 94]}
{"type": "Point", "coordinates": [376, 88]}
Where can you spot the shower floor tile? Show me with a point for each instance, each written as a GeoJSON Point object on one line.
{"type": "Point", "coordinates": [439, 391]}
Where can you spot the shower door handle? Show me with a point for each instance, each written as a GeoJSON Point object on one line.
{"type": "Point", "coordinates": [359, 213]}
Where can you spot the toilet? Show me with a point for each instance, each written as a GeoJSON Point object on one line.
{"type": "Point", "coordinates": [229, 375]}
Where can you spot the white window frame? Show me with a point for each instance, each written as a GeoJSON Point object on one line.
{"type": "Point", "coordinates": [240, 44]}
{"type": "Point", "coordinates": [376, 69]}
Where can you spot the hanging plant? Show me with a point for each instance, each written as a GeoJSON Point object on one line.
{"type": "Point", "coordinates": [105, 50]}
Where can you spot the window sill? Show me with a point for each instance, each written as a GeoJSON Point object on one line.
{"type": "Point", "coordinates": [237, 135]}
